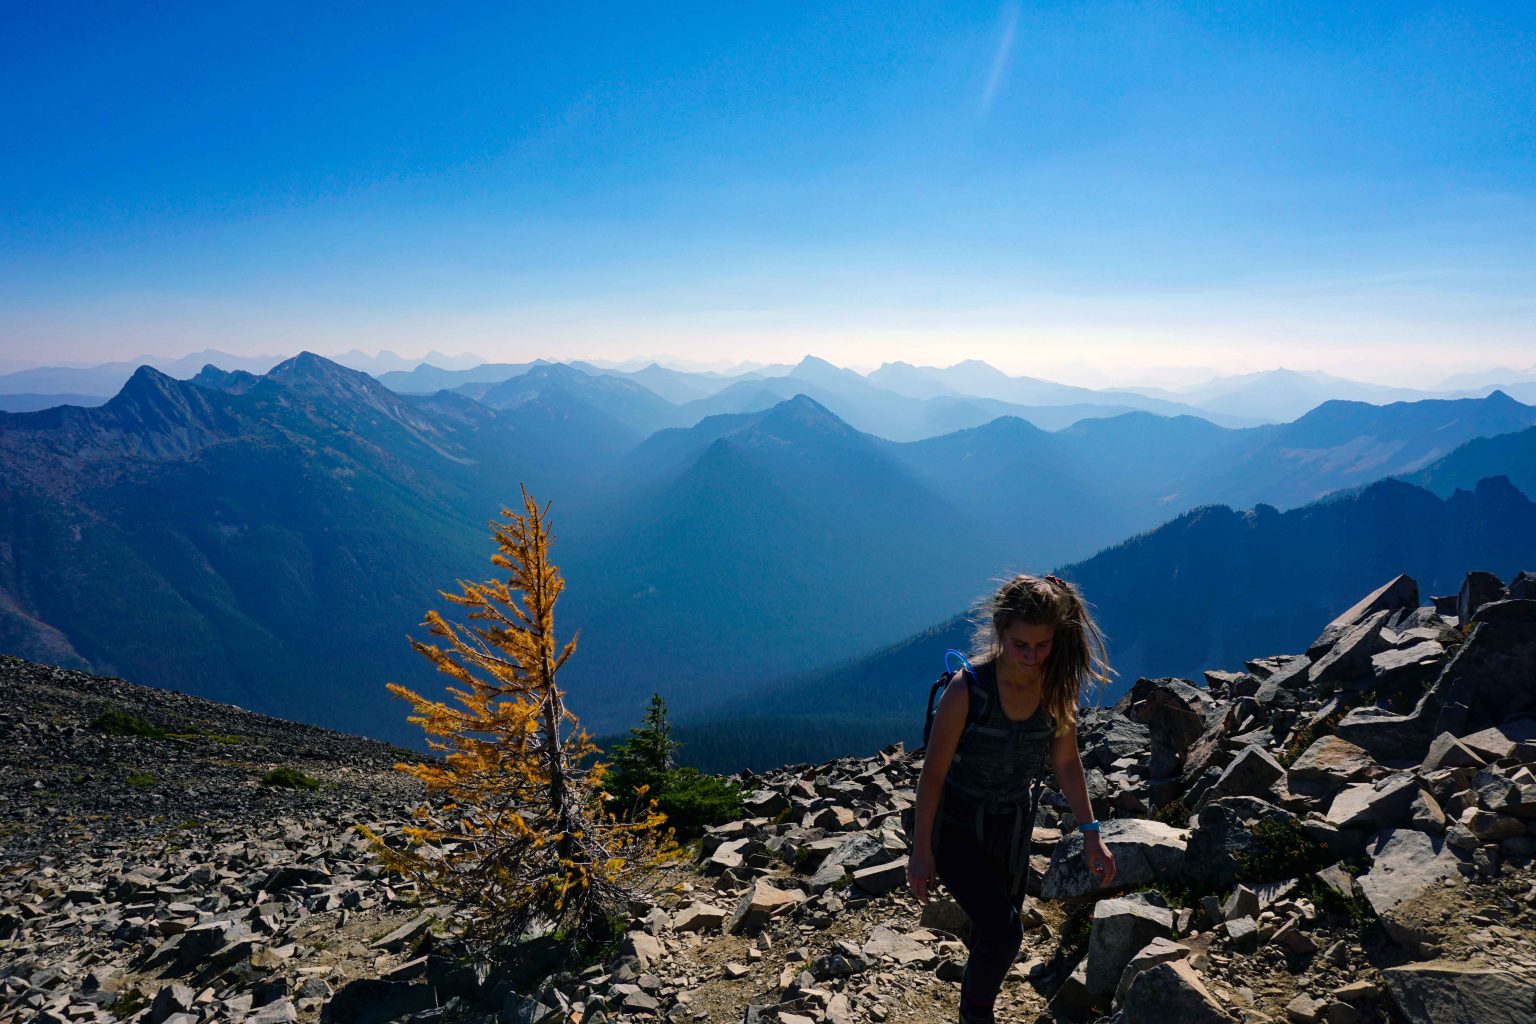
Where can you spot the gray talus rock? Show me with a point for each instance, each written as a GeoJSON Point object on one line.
{"type": "Point", "coordinates": [1350, 657]}
{"type": "Point", "coordinates": [1328, 765]}
{"type": "Point", "coordinates": [759, 903]}
{"type": "Point", "coordinates": [1446, 751]}
{"type": "Point", "coordinates": [1171, 991]}
{"type": "Point", "coordinates": [881, 878]}
{"type": "Point", "coordinates": [1390, 736]}
{"type": "Point", "coordinates": [1492, 679]}
{"type": "Point", "coordinates": [1477, 590]}
{"type": "Point", "coordinates": [1514, 738]}
{"type": "Point", "coordinates": [1369, 807]}
{"type": "Point", "coordinates": [1158, 951]}
{"type": "Point", "coordinates": [1121, 927]}
{"type": "Point", "coordinates": [1394, 595]}
{"type": "Point", "coordinates": [1144, 851]}
{"type": "Point", "coordinates": [374, 1001]}
{"type": "Point", "coordinates": [1252, 773]}
{"type": "Point", "coordinates": [1405, 864]}
{"type": "Point", "coordinates": [1446, 992]}
{"type": "Point", "coordinates": [890, 944]}
{"type": "Point", "coordinates": [859, 850]}
{"type": "Point", "coordinates": [1174, 712]}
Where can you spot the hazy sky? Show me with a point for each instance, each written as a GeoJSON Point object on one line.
{"type": "Point", "coordinates": [1056, 188]}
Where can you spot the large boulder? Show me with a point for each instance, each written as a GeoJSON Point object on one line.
{"type": "Point", "coordinates": [1174, 712]}
{"type": "Point", "coordinates": [859, 850]}
{"type": "Point", "coordinates": [1452, 992]}
{"type": "Point", "coordinates": [1350, 657]}
{"type": "Point", "coordinates": [1389, 736]}
{"type": "Point", "coordinates": [1513, 738]}
{"type": "Point", "coordinates": [1171, 991]}
{"type": "Point", "coordinates": [1252, 773]}
{"type": "Point", "coordinates": [1145, 851]}
{"type": "Point", "coordinates": [1111, 737]}
{"type": "Point", "coordinates": [1478, 589]}
{"type": "Point", "coordinates": [1405, 865]}
{"type": "Point", "coordinates": [1492, 679]}
{"type": "Point", "coordinates": [1370, 807]}
{"type": "Point", "coordinates": [1121, 928]}
{"type": "Point", "coordinates": [1394, 595]}
{"type": "Point", "coordinates": [1222, 836]}
{"type": "Point", "coordinates": [759, 904]}
{"type": "Point", "coordinates": [1330, 764]}
{"type": "Point", "coordinates": [1211, 749]}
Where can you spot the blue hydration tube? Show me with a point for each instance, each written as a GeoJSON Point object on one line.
{"type": "Point", "coordinates": [963, 660]}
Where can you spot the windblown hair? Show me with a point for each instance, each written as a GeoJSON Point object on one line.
{"type": "Point", "coordinates": [1078, 657]}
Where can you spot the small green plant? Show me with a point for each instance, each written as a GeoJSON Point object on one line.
{"type": "Point", "coordinates": [1178, 895]}
{"type": "Point", "coordinates": [129, 1002]}
{"type": "Point", "coordinates": [1174, 812]}
{"type": "Point", "coordinates": [1282, 849]}
{"type": "Point", "coordinates": [289, 778]}
{"type": "Point", "coordinates": [141, 779]}
{"type": "Point", "coordinates": [116, 722]}
{"type": "Point", "coordinates": [1310, 735]}
{"type": "Point", "coordinates": [1331, 902]}
{"type": "Point", "coordinates": [202, 734]}
{"type": "Point", "coordinates": [690, 799]}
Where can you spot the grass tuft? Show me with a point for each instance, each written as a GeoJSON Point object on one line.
{"type": "Point", "coordinates": [289, 778]}
{"type": "Point", "coordinates": [116, 722]}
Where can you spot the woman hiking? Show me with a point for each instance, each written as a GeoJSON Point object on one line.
{"type": "Point", "coordinates": [998, 725]}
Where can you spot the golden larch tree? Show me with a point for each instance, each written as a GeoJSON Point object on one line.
{"type": "Point", "coordinates": [514, 832]}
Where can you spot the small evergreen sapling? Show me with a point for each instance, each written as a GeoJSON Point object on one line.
{"type": "Point", "coordinates": [643, 773]}
{"type": "Point", "coordinates": [514, 832]}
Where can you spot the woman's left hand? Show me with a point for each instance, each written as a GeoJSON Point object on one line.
{"type": "Point", "coordinates": [1101, 863]}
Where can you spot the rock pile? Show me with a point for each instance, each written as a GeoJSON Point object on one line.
{"type": "Point", "coordinates": [1342, 835]}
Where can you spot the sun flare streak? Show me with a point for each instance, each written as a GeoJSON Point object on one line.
{"type": "Point", "coordinates": [1000, 57]}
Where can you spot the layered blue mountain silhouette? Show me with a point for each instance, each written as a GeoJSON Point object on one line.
{"type": "Point", "coordinates": [272, 538]}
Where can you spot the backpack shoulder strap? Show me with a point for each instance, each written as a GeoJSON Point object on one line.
{"type": "Point", "coordinates": [975, 707]}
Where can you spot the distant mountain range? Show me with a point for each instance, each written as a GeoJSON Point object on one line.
{"type": "Point", "coordinates": [898, 401]}
{"type": "Point", "coordinates": [1205, 591]}
{"type": "Point", "coordinates": [272, 538]}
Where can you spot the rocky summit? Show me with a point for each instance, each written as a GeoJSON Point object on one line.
{"type": "Point", "coordinates": [1342, 834]}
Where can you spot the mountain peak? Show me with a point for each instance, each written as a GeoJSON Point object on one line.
{"type": "Point", "coordinates": [147, 383]}
{"type": "Point", "coordinates": [315, 376]}
{"type": "Point", "coordinates": [813, 368]}
{"type": "Point", "coordinates": [800, 417]}
{"type": "Point", "coordinates": [215, 379]}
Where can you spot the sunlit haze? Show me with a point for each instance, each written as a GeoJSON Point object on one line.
{"type": "Point", "coordinates": [1095, 193]}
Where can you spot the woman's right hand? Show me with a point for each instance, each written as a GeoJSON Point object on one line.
{"type": "Point", "coordinates": [920, 874]}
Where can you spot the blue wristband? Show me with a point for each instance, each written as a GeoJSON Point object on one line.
{"type": "Point", "coordinates": [1089, 826]}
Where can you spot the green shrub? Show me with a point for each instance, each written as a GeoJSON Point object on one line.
{"type": "Point", "coordinates": [1329, 901]}
{"type": "Point", "coordinates": [1282, 849]}
{"type": "Point", "coordinates": [289, 778]}
{"type": "Point", "coordinates": [1174, 812]}
{"type": "Point", "coordinates": [691, 800]}
{"type": "Point", "coordinates": [115, 722]}
{"type": "Point", "coordinates": [141, 779]}
{"type": "Point", "coordinates": [203, 734]}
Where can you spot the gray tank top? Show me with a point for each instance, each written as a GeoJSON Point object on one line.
{"type": "Point", "coordinates": [998, 760]}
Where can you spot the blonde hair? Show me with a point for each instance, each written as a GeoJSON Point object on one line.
{"type": "Point", "coordinates": [1078, 656]}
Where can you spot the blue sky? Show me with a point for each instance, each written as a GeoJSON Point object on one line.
{"type": "Point", "coordinates": [1062, 189]}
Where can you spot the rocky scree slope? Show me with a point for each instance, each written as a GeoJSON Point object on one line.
{"type": "Point", "coordinates": [1344, 834]}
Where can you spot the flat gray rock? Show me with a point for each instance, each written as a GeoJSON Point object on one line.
{"type": "Point", "coordinates": [1121, 928]}
{"type": "Point", "coordinates": [1145, 851]}
{"type": "Point", "coordinates": [1405, 864]}
{"type": "Point", "coordinates": [1452, 992]}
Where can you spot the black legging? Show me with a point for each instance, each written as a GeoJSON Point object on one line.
{"type": "Point", "coordinates": [976, 875]}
